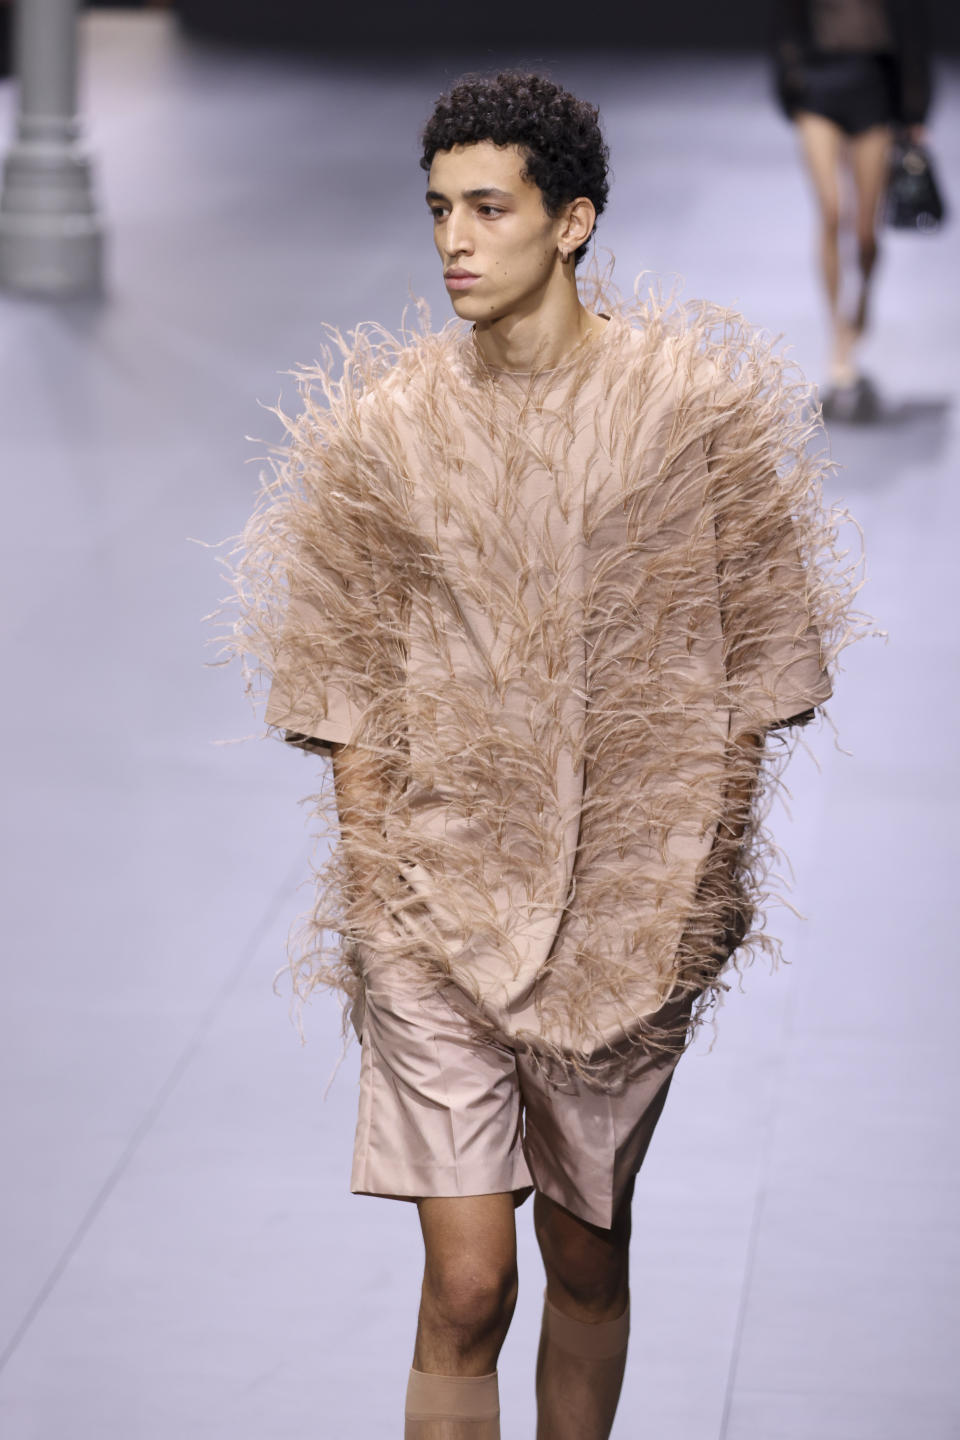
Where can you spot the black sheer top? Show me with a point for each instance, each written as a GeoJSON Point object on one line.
{"type": "Point", "coordinates": [892, 28]}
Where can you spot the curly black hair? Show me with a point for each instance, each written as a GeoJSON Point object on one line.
{"type": "Point", "coordinates": [559, 135]}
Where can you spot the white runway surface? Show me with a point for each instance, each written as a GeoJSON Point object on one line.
{"type": "Point", "coordinates": [180, 1256]}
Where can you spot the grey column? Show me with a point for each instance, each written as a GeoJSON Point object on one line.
{"type": "Point", "coordinates": [51, 239]}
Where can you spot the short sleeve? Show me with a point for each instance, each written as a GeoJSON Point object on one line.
{"type": "Point", "coordinates": [772, 648]}
{"type": "Point", "coordinates": [313, 610]}
{"type": "Point", "coordinates": [308, 698]}
{"type": "Point", "coordinates": [772, 645]}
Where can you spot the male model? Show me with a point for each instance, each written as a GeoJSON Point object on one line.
{"type": "Point", "coordinates": [542, 583]}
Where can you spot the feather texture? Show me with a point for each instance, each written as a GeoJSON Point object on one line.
{"type": "Point", "coordinates": [546, 605]}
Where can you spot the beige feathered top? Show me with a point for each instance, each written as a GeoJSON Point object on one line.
{"type": "Point", "coordinates": [543, 604]}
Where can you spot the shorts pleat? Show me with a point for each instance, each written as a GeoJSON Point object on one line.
{"type": "Point", "coordinates": [444, 1113]}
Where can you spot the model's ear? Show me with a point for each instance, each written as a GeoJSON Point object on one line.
{"type": "Point", "coordinates": [578, 226]}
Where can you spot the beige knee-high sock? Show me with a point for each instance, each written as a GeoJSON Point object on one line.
{"type": "Point", "coordinates": [452, 1407]}
{"type": "Point", "coordinates": [579, 1375]}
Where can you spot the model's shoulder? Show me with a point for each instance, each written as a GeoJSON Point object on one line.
{"type": "Point", "coordinates": [652, 357]}
{"type": "Point", "coordinates": [370, 386]}
{"type": "Point", "coordinates": [423, 367]}
{"type": "Point", "coordinates": [680, 340]}
{"type": "Point", "coordinates": [701, 352]}
{"type": "Point", "coordinates": [413, 385]}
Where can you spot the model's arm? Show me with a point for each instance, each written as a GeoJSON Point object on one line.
{"type": "Point", "coordinates": [790, 34]}
{"type": "Point", "coordinates": [359, 787]}
{"type": "Point", "coordinates": [722, 913]}
{"type": "Point", "coordinates": [912, 62]}
{"type": "Point", "coordinates": [721, 872]}
{"type": "Point", "coordinates": [720, 878]}
{"type": "Point", "coordinates": [745, 753]}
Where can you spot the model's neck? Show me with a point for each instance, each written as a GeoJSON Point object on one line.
{"type": "Point", "coordinates": [541, 336]}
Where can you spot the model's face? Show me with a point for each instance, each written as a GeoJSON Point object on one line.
{"type": "Point", "coordinates": [498, 245]}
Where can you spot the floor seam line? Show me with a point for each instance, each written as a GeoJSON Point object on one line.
{"type": "Point", "coordinates": [755, 1219]}
{"type": "Point", "coordinates": [153, 1112]}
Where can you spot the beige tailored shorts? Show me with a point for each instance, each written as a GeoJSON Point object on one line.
{"type": "Point", "coordinates": [445, 1113]}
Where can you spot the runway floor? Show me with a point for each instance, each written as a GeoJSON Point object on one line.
{"type": "Point", "coordinates": [179, 1251]}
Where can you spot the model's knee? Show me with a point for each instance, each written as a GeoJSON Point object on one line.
{"type": "Point", "coordinates": [471, 1296]}
{"type": "Point", "coordinates": [830, 225]}
{"type": "Point", "coordinates": [600, 1290]}
{"type": "Point", "coordinates": [867, 250]}
{"type": "Point", "coordinates": [589, 1266]}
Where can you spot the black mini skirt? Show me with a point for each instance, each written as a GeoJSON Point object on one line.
{"type": "Point", "coordinates": [854, 91]}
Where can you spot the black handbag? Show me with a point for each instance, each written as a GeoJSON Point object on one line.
{"type": "Point", "coordinates": [914, 201]}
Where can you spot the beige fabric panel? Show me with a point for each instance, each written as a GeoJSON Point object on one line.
{"type": "Point", "coordinates": [444, 1113]}
{"type": "Point", "coordinates": [544, 603]}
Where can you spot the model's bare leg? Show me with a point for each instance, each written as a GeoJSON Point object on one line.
{"type": "Point", "coordinates": [583, 1347]}
{"type": "Point", "coordinates": [870, 161]}
{"type": "Point", "coordinates": [822, 144]}
{"type": "Point", "coordinates": [467, 1302]}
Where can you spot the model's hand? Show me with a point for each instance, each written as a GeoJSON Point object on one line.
{"type": "Point", "coordinates": [917, 134]}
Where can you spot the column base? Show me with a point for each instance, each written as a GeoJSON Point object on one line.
{"type": "Point", "coordinates": [55, 255]}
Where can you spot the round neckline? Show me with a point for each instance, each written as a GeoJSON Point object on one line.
{"type": "Point", "coordinates": [572, 358]}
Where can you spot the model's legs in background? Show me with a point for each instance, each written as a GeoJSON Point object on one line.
{"type": "Point", "coordinates": [870, 162]}
{"type": "Point", "coordinates": [583, 1344]}
{"type": "Point", "coordinates": [467, 1303]}
{"type": "Point", "coordinates": [822, 144]}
